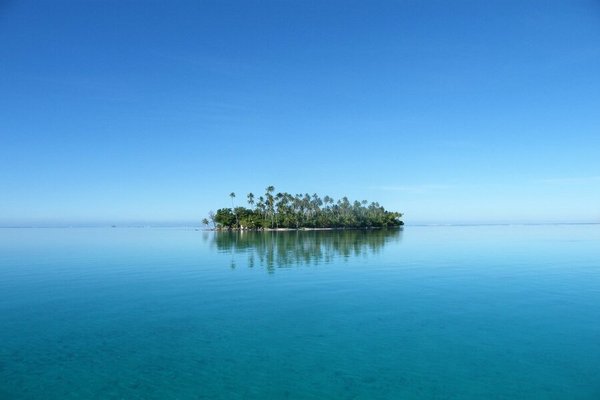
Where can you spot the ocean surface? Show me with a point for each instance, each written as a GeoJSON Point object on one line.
{"type": "Point", "coordinates": [453, 312]}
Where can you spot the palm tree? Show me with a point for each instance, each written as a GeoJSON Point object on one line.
{"type": "Point", "coordinates": [232, 195]}
{"type": "Point", "coordinates": [261, 206]}
{"type": "Point", "coordinates": [250, 199]}
{"type": "Point", "coordinates": [279, 212]}
{"type": "Point", "coordinates": [270, 202]}
{"type": "Point", "coordinates": [205, 222]}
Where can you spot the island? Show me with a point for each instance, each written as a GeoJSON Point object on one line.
{"type": "Point", "coordinates": [284, 211]}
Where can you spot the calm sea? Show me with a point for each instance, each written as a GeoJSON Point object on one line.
{"type": "Point", "coordinates": [471, 312]}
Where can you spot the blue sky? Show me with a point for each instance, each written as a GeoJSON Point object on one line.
{"type": "Point", "coordinates": [462, 111]}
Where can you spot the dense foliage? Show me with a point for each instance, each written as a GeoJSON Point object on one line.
{"type": "Point", "coordinates": [283, 210]}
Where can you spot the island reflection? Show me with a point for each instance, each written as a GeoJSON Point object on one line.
{"type": "Point", "coordinates": [294, 248]}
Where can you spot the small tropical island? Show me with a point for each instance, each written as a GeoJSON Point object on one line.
{"type": "Point", "coordinates": [284, 211]}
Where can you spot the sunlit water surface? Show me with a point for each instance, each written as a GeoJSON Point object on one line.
{"type": "Point", "coordinates": [487, 312]}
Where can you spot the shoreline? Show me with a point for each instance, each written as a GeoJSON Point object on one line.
{"type": "Point", "coordinates": [301, 229]}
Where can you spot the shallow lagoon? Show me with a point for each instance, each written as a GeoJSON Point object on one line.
{"type": "Point", "coordinates": [472, 312]}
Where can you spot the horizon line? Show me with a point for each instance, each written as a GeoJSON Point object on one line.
{"type": "Point", "coordinates": [184, 225]}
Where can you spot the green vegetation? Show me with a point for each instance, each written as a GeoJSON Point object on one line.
{"type": "Point", "coordinates": [286, 211]}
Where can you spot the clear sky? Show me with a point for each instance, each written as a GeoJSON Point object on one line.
{"type": "Point", "coordinates": [449, 111]}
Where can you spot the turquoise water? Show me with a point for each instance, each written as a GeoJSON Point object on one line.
{"type": "Point", "coordinates": [488, 312]}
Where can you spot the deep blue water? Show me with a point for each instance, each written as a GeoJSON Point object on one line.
{"type": "Point", "coordinates": [474, 312]}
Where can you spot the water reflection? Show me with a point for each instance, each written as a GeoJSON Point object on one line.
{"type": "Point", "coordinates": [284, 249]}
